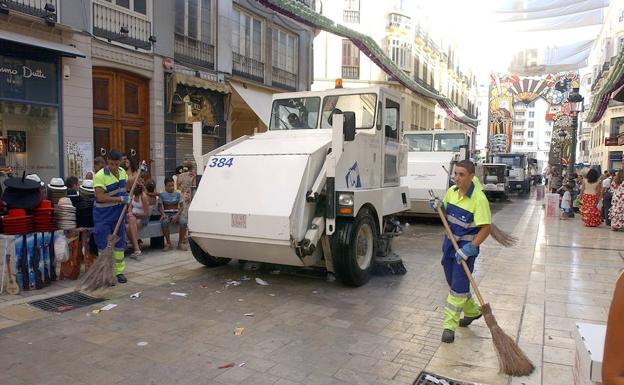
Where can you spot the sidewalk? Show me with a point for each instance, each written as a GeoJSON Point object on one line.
{"type": "Point", "coordinates": [561, 272]}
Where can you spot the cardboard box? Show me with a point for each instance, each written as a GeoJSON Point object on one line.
{"type": "Point", "coordinates": [590, 339]}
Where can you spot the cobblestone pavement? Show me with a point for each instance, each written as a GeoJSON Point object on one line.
{"type": "Point", "coordinates": [305, 330]}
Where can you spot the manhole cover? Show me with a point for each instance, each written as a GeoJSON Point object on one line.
{"type": "Point", "coordinates": [426, 378]}
{"type": "Point", "coordinates": [65, 302]}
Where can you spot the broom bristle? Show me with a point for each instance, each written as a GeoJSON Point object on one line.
{"type": "Point", "coordinates": [511, 358]}
{"type": "Point", "coordinates": [100, 274]}
{"type": "Point", "coordinates": [503, 237]}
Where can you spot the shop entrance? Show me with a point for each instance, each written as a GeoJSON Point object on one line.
{"type": "Point", "coordinates": [120, 113]}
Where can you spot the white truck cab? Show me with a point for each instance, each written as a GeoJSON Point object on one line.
{"type": "Point", "coordinates": [318, 188]}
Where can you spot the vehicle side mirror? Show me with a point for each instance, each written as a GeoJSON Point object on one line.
{"type": "Point", "coordinates": [348, 127]}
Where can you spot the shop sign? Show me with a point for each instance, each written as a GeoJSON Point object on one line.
{"type": "Point", "coordinates": [615, 155]}
{"type": "Point", "coordinates": [28, 80]}
{"type": "Point", "coordinates": [611, 141]}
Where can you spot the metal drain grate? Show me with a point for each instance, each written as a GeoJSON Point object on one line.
{"type": "Point", "coordinates": [66, 302]}
{"type": "Point", "coordinates": [426, 378]}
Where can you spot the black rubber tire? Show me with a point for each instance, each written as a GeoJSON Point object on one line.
{"type": "Point", "coordinates": [204, 258]}
{"type": "Point", "coordinates": [346, 266]}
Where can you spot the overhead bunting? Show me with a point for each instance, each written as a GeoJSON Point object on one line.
{"type": "Point", "coordinates": [536, 62]}
{"type": "Point", "coordinates": [299, 12]}
{"type": "Point", "coordinates": [540, 9]}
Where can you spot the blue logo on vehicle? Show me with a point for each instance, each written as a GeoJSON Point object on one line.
{"type": "Point", "coordinates": [353, 177]}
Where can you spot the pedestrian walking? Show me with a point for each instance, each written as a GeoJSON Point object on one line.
{"type": "Point", "coordinates": [110, 198]}
{"type": "Point", "coordinates": [616, 214]}
{"type": "Point", "coordinates": [606, 198]}
{"type": "Point", "coordinates": [468, 214]}
{"type": "Point", "coordinates": [590, 195]}
{"type": "Point", "coordinates": [566, 204]}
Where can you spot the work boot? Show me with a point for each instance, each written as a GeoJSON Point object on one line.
{"type": "Point", "coordinates": [448, 336]}
{"type": "Point", "coordinates": [464, 322]}
{"type": "Point", "coordinates": [121, 278]}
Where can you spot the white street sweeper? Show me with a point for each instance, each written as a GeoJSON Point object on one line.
{"type": "Point", "coordinates": [319, 188]}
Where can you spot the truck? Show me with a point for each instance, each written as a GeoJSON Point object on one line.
{"type": "Point", "coordinates": [319, 188]}
{"type": "Point", "coordinates": [430, 162]}
{"type": "Point", "coordinates": [494, 180]}
{"type": "Point", "coordinates": [519, 177]}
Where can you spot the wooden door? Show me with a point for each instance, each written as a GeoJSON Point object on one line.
{"type": "Point", "coordinates": [120, 113]}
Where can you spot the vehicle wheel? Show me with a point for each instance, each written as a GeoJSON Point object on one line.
{"type": "Point", "coordinates": [204, 258]}
{"type": "Point", "coordinates": [354, 247]}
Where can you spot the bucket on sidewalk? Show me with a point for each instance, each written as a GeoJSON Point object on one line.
{"type": "Point", "coordinates": [552, 205]}
{"type": "Point", "coordinates": [539, 192]}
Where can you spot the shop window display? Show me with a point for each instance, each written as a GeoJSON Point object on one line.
{"type": "Point", "coordinates": [31, 133]}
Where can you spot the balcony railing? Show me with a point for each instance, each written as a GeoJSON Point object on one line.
{"type": "Point", "coordinates": [247, 67]}
{"type": "Point", "coordinates": [194, 52]}
{"type": "Point", "coordinates": [284, 79]}
{"type": "Point", "coordinates": [426, 85]}
{"type": "Point", "coordinates": [121, 26]}
{"type": "Point", "coordinates": [36, 8]}
{"type": "Point", "coordinates": [396, 20]}
{"type": "Point", "coordinates": [350, 72]}
{"type": "Point", "coordinates": [350, 16]}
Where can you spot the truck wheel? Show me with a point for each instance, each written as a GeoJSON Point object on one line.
{"type": "Point", "coordinates": [354, 246]}
{"type": "Point", "coordinates": [204, 258]}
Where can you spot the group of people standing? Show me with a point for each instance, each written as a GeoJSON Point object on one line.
{"type": "Point", "coordinates": [602, 199]}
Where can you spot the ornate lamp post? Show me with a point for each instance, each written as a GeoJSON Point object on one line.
{"type": "Point", "coordinates": [576, 106]}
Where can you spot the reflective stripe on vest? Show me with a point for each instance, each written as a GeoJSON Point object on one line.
{"type": "Point", "coordinates": [455, 221]}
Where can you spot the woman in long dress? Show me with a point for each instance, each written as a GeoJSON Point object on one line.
{"type": "Point", "coordinates": [616, 213]}
{"type": "Point", "coordinates": [590, 195]}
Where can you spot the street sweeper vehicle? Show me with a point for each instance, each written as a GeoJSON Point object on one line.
{"type": "Point", "coordinates": [430, 162]}
{"type": "Point", "coordinates": [319, 188]}
{"type": "Point", "coordinates": [493, 177]}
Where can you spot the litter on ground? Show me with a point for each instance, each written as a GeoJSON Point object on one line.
{"type": "Point", "coordinates": [239, 331]}
{"type": "Point", "coordinates": [261, 282]}
{"type": "Point", "coordinates": [109, 307]}
{"type": "Point", "coordinates": [178, 294]}
{"type": "Point", "coordinates": [135, 295]}
{"type": "Point", "coordinates": [230, 365]}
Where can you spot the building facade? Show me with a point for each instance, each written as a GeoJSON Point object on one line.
{"type": "Point", "coordinates": [532, 132]}
{"type": "Point", "coordinates": [605, 140]}
{"type": "Point", "coordinates": [78, 78]}
{"type": "Point", "coordinates": [401, 29]}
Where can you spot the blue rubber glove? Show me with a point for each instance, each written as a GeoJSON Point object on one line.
{"type": "Point", "coordinates": [125, 199]}
{"type": "Point", "coordinates": [435, 203]}
{"type": "Point", "coordinates": [467, 251]}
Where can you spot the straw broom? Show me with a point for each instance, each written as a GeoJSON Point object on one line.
{"type": "Point", "coordinates": [101, 273]}
{"type": "Point", "coordinates": [511, 358]}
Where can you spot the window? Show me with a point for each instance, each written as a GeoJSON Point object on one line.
{"type": "Point", "coordinates": [295, 113]}
{"type": "Point", "coordinates": [285, 49]}
{"type": "Point", "coordinates": [350, 60]}
{"type": "Point", "coordinates": [531, 124]}
{"type": "Point", "coordinates": [532, 105]}
{"type": "Point", "coordinates": [419, 142]}
{"type": "Point", "coordinates": [415, 108]}
{"type": "Point", "coordinates": [363, 105]}
{"type": "Point", "coordinates": [139, 6]}
{"type": "Point", "coordinates": [351, 13]}
{"type": "Point", "coordinates": [193, 18]}
{"type": "Point", "coordinates": [246, 35]}
{"type": "Point", "coordinates": [530, 144]}
{"type": "Point", "coordinates": [531, 114]}
{"type": "Point", "coordinates": [547, 134]}
{"type": "Point", "coordinates": [416, 66]}
{"type": "Point", "coordinates": [518, 123]}
{"type": "Point", "coordinates": [400, 53]}
{"type": "Point", "coordinates": [530, 134]}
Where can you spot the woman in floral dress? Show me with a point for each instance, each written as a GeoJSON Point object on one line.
{"type": "Point", "coordinates": [617, 204]}
{"type": "Point", "coordinates": [590, 195]}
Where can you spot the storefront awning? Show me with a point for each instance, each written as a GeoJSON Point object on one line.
{"type": "Point", "coordinates": [257, 99]}
{"type": "Point", "coordinates": [193, 81]}
{"type": "Point", "coordinates": [61, 49]}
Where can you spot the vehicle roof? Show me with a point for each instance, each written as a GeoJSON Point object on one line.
{"type": "Point", "coordinates": [439, 131]}
{"type": "Point", "coordinates": [338, 91]}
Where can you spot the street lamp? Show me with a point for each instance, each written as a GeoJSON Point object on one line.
{"type": "Point", "coordinates": [576, 106]}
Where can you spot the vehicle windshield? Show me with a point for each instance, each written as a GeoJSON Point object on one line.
{"type": "Point", "coordinates": [419, 142]}
{"type": "Point", "coordinates": [513, 161]}
{"type": "Point", "coordinates": [295, 113]}
{"type": "Point", "coordinates": [363, 105]}
{"type": "Point", "coordinates": [449, 142]}
{"type": "Point", "coordinates": [494, 174]}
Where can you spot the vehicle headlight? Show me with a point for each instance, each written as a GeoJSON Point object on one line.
{"type": "Point", "coordinates": [345, 199]}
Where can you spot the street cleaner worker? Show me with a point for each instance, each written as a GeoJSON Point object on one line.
{"type": "Point", "coordinates": [110, 198]}
{"type": "Point", "coordinates": [468, 214]}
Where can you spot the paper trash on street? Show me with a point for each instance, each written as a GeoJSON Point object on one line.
{"type": "Point", "coordinates": [261, 282]}
{"type": "Point", "coordinates": [109, 307]}
{"type": "Point", "coordinates": [177, 294]}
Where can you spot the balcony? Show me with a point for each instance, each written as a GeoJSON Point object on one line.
{"type": "Point", "coordinates": [284, 79]}
{"type": "Point", "coordinates": [46, 9]}
{"type": "Point", "coordinates": [350, 72]}
{"type": "Point", "coordinates": [399, 21]}
{"type": "Point", "coordinates": [426, 85]}
{"type": "Point", "coordinates": [123, 26]}
{"type": "Point", "coordinates": [193, 52]}
{"type": "Point", "coordinates": [247, 67]}
{"type": "Point", "coordinates": [350, 16]}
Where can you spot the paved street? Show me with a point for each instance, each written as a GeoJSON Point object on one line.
{"type": "Point", "coordinates": [305, 330]}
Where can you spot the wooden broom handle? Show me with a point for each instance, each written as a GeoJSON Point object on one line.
{"type": "Point", "coordinates": [450, 236]}
{"type": "Point", "coordinates": [125, 208]}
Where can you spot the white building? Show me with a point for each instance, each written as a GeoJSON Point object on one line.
{"type": "Point", "coordinates": [531, 131]}
{"type": "Point", "coordinates": [401, 29]}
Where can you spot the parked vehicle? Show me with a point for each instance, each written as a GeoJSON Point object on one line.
{"type": "Point", "coordinates": [493, 177]}
{"type": "Point", "coordinates": [518, 178]}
